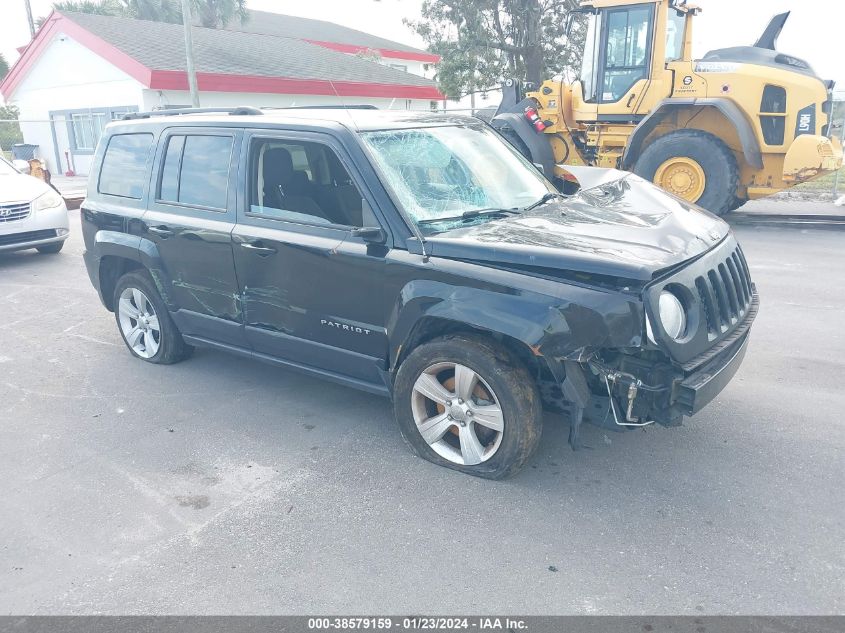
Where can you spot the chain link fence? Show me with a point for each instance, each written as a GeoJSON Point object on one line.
{"type": "Point", "coordinates": [64, 145]}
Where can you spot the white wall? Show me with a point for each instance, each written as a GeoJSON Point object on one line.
{"type": "Point", "coordinates": [68, 76]}
{"type": "Point", "coordinates": [153, 99]}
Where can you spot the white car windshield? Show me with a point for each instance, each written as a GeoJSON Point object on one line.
{"type": "Point", "coordinates": [440, 173]}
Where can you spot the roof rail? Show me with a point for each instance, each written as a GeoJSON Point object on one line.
{"type": "Point", "coordinates": [354, 106]}
{"type": "Point", "coordinates": [238, 111]}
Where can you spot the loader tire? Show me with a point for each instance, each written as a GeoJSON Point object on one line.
{"type": "Point", "coordinates": [693, 165]}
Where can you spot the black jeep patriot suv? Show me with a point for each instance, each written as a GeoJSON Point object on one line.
{"type": "Point", "coordinates": [417, 256]}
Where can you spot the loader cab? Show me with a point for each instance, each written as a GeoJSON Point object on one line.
{"type": "Point", "coordinates": [626, 48]}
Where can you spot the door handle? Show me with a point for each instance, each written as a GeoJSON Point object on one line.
{"type": "Point", "coordinates": [258, 249]}
{"type": "Point", "coordinates": [161, 231]}
{"type": "Point", "coordinates": [630, 99]}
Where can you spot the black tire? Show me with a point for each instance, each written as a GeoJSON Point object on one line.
{"type": "Point", "coordinates": [714, 157]}
{"type": "Point", "coordinates": [51, 249]}
{"type": "Point", "coordinates": [172, 348]}
{"type": "Point", "coordinates": [512, 384]}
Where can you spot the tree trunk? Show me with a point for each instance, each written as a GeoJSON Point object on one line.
{"type": "Point", "coordinates": [533, 55]}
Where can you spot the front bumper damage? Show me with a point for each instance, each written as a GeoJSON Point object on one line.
{"type": "Point", "coordinates": [644, 387]}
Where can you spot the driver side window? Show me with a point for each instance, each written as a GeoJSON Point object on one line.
{"type": "Point", "coordinates": [627, 51]}
{"type": "Point", "coordinates": [301, 181]}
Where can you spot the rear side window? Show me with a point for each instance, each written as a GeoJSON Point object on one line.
{"type": "Point", "coordinates": [196, 170]}
{"type": "Point", "coordinates": [124, 170]}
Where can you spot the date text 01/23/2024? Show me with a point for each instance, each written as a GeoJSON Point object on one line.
{"type": "Point", "coordinates": [416, 623]}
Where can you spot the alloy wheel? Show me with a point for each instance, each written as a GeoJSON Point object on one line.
{"type": "Point", "coordinates": [139, 322]}
{"type": "Point", "coordinates": [457, 413]}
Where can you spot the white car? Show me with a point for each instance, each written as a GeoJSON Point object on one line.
{"type": "Point", "coordinates": [32, 214]}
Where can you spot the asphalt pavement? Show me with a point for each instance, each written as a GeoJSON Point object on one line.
{"type": "Point", "coordinates": [221, 485]}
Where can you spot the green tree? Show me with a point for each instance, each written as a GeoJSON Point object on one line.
{"type": "Point", "coordinates": [481, 42]}
{"type": "Point", "coordinates": [10, 129]}
{"type": "Point", "coordinates": [4, 67]}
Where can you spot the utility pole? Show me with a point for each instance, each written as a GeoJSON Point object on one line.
{"type": "Point", "coordinates": [189, 53]}
{"type": "Point", "coordinates": [29, 18]}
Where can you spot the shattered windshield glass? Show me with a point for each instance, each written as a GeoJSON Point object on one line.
{"type": "Point", "coordinates": [454, 173]}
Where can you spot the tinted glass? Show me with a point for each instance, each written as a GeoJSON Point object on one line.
{"type": "Point", "coordinates": [124, 165]}
{"type": "Point", "coordinates": [202, 165]}
{"type": "Point", "coordinates": [170, 174]}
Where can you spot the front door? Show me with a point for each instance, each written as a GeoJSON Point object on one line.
{"type": "Point", "coordinates": [626, 50]}
{"type": "Point", "coordinates": [190, 219]}
{"type": "Point", "coordinates": [312, 291]}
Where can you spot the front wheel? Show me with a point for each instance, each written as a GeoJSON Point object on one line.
{"type": "Point", "coordinates": [693, 165]}
{"type": "Point", "coordinates": [468, 404]}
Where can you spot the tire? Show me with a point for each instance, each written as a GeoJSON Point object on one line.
{"type": "Point", "coordinates": [164, 348]}
{"type": "Point", "coordinates": [51, 249]}
{"type": "Point", "coordinates": [501, 379]}
{"type": "Point", "coordinates": [712, 155]}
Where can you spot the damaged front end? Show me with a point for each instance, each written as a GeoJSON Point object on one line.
{"type": "Point", "coordinates": [677, 370]}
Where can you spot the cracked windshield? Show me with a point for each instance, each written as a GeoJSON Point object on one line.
{"type": "Point", "coordinates": [447, 176]}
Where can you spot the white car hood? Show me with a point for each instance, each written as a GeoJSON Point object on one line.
{"type": "Point", "coordinates": [20, 188]}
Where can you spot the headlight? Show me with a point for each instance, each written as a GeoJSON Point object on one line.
{"type": "Point", "coordinates": [49, 200]}
{"type": "Point", "coordinates": [673, 317]}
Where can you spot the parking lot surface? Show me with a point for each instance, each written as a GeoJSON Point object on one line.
{"type": "Point", "coordinates": [221, 485]}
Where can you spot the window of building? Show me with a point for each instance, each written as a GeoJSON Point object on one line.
{"type": "Point", "coordinates": [304, 182]}
{"type": "Point", "coordinates": [86, 126]}
{"type": "Point", "coordinates": [402, 67]}
{"type": "Point", "coordinates": [124, 169]}
{"type": "Point", "coordinates": [196, 170]}
{"type": "Point", "coordinates": [87, 129]}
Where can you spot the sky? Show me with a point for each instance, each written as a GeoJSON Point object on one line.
{"type": "Point", "coordinates": [815, 30]}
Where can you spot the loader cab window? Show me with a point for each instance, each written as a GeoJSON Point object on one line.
{"type": "Point", "coordinates": [627, 51]}
{"type": "Point", "coordinates": [590, 59]}
{"type": "Point", "coordinates": [675, 26]}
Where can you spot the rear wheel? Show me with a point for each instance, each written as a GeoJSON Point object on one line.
{"type": "Point", "coordinates": [144, 321]}
{"type": "Point", "coordinates": [469, 405]}
{"type": "Point", "coordinates": [693, 165]}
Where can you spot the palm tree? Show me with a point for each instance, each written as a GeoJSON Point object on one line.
{"type": "Point", "coordinates": [209, 13]}
{"type": "Point", "coordinates": [214, 14]}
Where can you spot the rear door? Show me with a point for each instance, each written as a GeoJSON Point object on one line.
{"type": "Point", "coordinates": [190, 219]}
{"type": "Point", "coordinates": [313, 292]}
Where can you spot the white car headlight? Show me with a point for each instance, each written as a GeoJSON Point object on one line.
{"type": "Point", "coordinates": [673, 316]}
{"type": "Point", "coordinates": [49, 200]}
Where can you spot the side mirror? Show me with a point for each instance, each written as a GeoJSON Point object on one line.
{"type": "Point", "coordinates": [22, 166]}
{"type": "Point", "coordinates": [372, 234]}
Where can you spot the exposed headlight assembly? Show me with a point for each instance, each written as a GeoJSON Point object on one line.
{"type": "Point", "coordinates": [49, 200]}
{"type": "Point", "coordinates": [673, 317]}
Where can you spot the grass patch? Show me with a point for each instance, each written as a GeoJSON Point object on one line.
{"type": "Point", "coordinates": [824, 183]}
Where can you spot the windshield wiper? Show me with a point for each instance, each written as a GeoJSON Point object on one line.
{"type": "Point", "coordinates": [474, 213]}
{"type": "Point", "coordinates": [470, 215]}
{"type": "Point", "coordinates": [546, 198]}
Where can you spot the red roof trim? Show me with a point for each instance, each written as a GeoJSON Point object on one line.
{"type": "Point", "coordinates": [428, 58]}
{"type": "Point", "coordinates": [212, 82]}
{"type": "Point", "coordinates": [57, 23]}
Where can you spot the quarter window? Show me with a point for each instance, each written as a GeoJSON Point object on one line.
{"type": "Point", "coordinates": [196, 170]}
{"type": "Point", "coordinates": [124, 169]}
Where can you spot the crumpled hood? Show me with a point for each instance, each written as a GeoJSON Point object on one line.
{"type": "Point", "coordinates": [20, 188]}
{"type": "Point", "coordinates": [621, 226]}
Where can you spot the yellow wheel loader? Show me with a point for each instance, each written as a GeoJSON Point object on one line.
{"type": "Point", "coordinates": [738, 124]}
